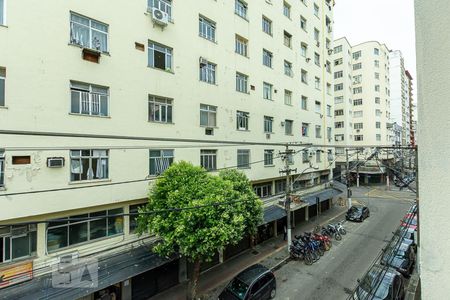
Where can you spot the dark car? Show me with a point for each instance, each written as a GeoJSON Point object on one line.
{"type": "Point", "coordinates": [401, 257]}
{"type": "Point", "coordinates": [254, 283]}
{"type": "Point", "coordinates": [381, 283]}
{"type": "Point", "coordinates": [357, 213]}
{"type": "Point", "coordinates": [407, 237]}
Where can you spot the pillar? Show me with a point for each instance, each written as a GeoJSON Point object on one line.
{"type": "Point", "coordinates": [306, 208]}
{"type": "Point", "coordinates": [126, 289]}
{"type": "Point", "coordinates": [275, 229]}
{"type": "Point", "coordinates": [221, 256]}
{"type": "Point", "coordinates": [41, 242]}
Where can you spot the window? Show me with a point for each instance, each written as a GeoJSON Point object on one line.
{"type": "Point", "coordinates": [378, 137]}
{"type": "Point", "coordinates": [288, 68]}
{"type": "Point", "coordinates": [317, 83]}
{"type": "Point", "coordinates": [267, 91]}
{"type": "Point", "coordinates": [316, 35]}
{"type": "Point", "coordinates": [338, 87]}
{"type": "Point", "coordinates": [376, 51]}
{"type": "Point", "coordinates": [87, 99]}
{"type": "Point", "coordinates": [329, 133]}
{"type": "Point", "coordinates": [357, 90]}
{"type": "Point", "coordinates": [288, 124]}
{"type": "Point", "coordinates": [207, 28]}
{"type": "Point", "coordinates": [2, 169]}
{"type": "Point", "coordinates": [268, 121]}
{"type": "Point", "coordinates": [339, 99]}
{"type": "Point", "coordinates": [378, 125]}
{"type": "Point", "coordinates": [286, 9]}
{"type": "Point", "coordinates": [357, 79]}
{"type": "Point", "coordinates": [357, 102]}
{"type": "Point", "coordinates": [159, 109]}
{"type": "Point", "coordinates": [240, 8]}
{"type": "Point", "coordinates": [88, 164]}
{"type": "Point", "coordinates": [318, 156]}
{"type": "Point", "coordinates": [208, 115]}
{"type": "Point", "coordinates": [377, 75]}
{"type": "Point", "coordinates": [160, 160]}
{"type": "Point", "coordinates": [377, 88]}
{"type": "Point", "coordinates": [337, 49]}
{"type": "Point", "coordinates": [208, 159]}
{"type": "Point", "coordinates": [17, 242]}
{"type": "Point", "coordinates": [317, 59]}
{"type": "Point", "coordinates": [318, 107]}
{"type": "Point", "coordinates": [328, 110]}
{"type": "Point", "coordinates": [242, 119]}
{"type": "Point", "coordinates": [304, 103]}
{"type": "Point", "coordinates": [339, 124]}
{"type": "Point", "coordinates": [267, 25]}
{"type": "Point", "coordinates": [164, 5]}
{"type": "Point", "coordinates": [304, 49]}
{"type": "Point", "coordinates": [330, 155]}
{"type": "Point", "coordinates": [305, 129]}
{"type": "Point", "coordinates": [159, 56]}
{"type": "Point", "coordinates": [241, 46]}
{"type": "Point", "coordinates": [2, 86]}
{"type": "Point", "coordinates": [241, 83]}
{"type": "Point", "coordinates": [356, 55]}
{"type": "Point", "coordinates": [358, 114]}
{"type": "Point", "coordinates": [328, 66]}
{"type": "Point", "coordinates": [377, 100]}
{"type": "Point", "coordinates": [134, 210]}
{"type": "Point", "coordinates": [316, 10]}
{"type": "Point", "coordinates": [329, 89]}
{"type": "Point", "coordinates": [280, 187]}
{"type": "Point", "coordinates": [303, 23]}
{"type": "Point", "coordinates": [357, 66]}
{"type": "Point", "coordinates": [263, 190]}
{"type": "Point", "coordinates": [243, 159]}
{"type": "Point", "coordinates": [287, 97]}
{"type": "Point", "coordinates": [377, 63]}
{"type": "Point", "coordinates": [339, 112]}
{"type": "Point", "coordinates": [2, 13]}
{"type": "Point", "coordinates": [88, 33]}
{"type": "Point", "coordinates": [268, 157]}
{"type": "Point", "coordinates": [208, 72]}
{"type": "Point", "coordinates": [267, 58]}
{"type": "Point", "coordinates": [359, 137]}
{"type": "Point", "coordinates": [100, 224]}
{"type": "Point", "coordinates": [305, 156]}
{"type": "Point", "coordinates": [358, 125]}
{"type": "Point", "coordinates": [338, 137]}
{"type": "Point", "coordinates": [338, 62]}
{"type": "Point", "coordinates": [318, 131]}
{"type": "Point", "coordinates": [287, 39]}
{"type": "Point", "coordinates": [378, 113]}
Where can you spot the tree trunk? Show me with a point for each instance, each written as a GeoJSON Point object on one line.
{"type": "Point", "coordinates": [252, 241]}
{"type": "Point", "coordinates": [193, 284]}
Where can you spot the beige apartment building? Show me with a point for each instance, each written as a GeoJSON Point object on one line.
{"type": "Point", "coordinates": [110, 95]}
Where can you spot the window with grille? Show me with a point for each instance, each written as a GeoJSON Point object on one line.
{"type": "Point", "coordinates": [357, 90]}
{"type": "Point", "coordinates": [89, 164]}
{"type": "Point", "coordinates": [88, 99]}
{"type": "Point", "coordinates": [160, 109]}
{"type": "Point", "coordinates": [243, 159]}
{"type": "Point", "coordinates": [242, 119]}
{"type": "Point", "coordinates": [88, 33]}
{"type": "Point", "coordinates": [208, 159]}
{"type": "Point", "coordinates": [339, 99]}
{"type": "Point", "coordinates": [208, 115]}
{"type": "Point", "coordinates": [160, 160]}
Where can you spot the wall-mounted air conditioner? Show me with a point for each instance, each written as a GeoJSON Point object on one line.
{"type": "Point", "coordinates": [55, 162]}
{"type": "Point", "coordinates": [160, 17]}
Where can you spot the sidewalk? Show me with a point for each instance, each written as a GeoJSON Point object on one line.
{"type": "Point", "coordinates": [270, 253]}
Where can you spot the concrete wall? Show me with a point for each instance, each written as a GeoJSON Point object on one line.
{"type": "Point", "coordinates": [432, 43]}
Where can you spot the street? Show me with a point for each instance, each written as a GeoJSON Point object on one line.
{"type": "Point", "coordinates": [335, 275]}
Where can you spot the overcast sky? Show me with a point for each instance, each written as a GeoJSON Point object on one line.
{"type": "Point", "coordinates": [387, 21]}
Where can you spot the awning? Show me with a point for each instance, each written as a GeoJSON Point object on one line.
{"type": "Point", "coordinates": [111, 270]}
{"type": "Point", "coordinates": [322, 195]}
{"type": "Point", "coordinates": [272, 213]}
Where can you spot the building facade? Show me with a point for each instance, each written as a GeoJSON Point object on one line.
{"type": "Point", "coordinates": [433, 144]}
{"type": "Point", "coordinates": [412, 106]}
{"type": "Point", "coordinates": [94, 114]}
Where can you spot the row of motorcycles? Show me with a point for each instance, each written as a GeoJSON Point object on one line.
{"type": "Point", "coordinates": [310, 246]}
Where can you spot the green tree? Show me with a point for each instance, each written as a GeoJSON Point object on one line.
{"type": "Point", "coordinates": [217, 211]}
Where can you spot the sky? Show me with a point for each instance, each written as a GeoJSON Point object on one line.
{"type": "Point", "coordinates": [387, 21]}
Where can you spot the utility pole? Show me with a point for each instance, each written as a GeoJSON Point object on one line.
{"type": "Point", "coordinates": [349, 192]}
{"type": "Point", "coordinates": [387, 169]}
{"type": "Point", "coordinates": [357, 168]}
{"type": "Point", "coordinates": [287, 170]}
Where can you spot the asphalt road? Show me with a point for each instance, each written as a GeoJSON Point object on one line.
{"type": "Point", "coordinates": [335, 275]}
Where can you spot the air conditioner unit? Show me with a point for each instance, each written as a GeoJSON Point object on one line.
{"type": "Point", "coordinates": [55, 162]}
{"type": "Point", "coordinates": [203, 61]}
{"type": "Point", "coordinates": [358, 130]}
{"type": "Point", "coordinates": [318, 44]}
{"type": "Point", "coordinates": [267, 135]}
{"type": "Point", "coordinates": [330, 52]}
{"type": "Point", "coordinates": [160, 17]}
{"type": "Point", "coordinates": [209, 131]}
{"type": "Point", "coordinates": [308, 59]}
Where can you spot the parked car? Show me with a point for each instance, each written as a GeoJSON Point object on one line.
{"type": "Point", "coordinates": [407, 237]}
{"type": "Point", "coordinates": [406, 222]}
{"type": "Point", "coordinates": [357, 213]}
{"type": "Point", "coordinates": [381, 283]}
{"type": "Point", "coordinates": [401, 257]}
{"type": "Point", "coordinates": [254, 283]}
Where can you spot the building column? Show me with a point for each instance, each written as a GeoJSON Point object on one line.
{"type": "Point", "coordinates": [275, 231]}
{"type": "Point", "coordinates": [306, 213]}
{"type": "Point", "coordinates": [40, 240]}
{"type": "Point", "coordinates": [126, 289]}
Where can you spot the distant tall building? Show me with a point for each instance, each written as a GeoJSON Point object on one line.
{"type": "Point", "coordinates": [412, 122]}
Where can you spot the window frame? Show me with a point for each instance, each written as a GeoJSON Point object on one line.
{"type": "Point", "coordinates": [2, 168]}
{"type": "Point", "coordinates": [152, 47]}
{"type": "Point", "coordinates": [286, 9]}
{"type": "Point", "coordinates": [267, 25]}
{"type": "Point", "coordinates": [243, 154]}
{"type": "Point", "coordinates": [268, 124]}
{"type": "Point", "coordinates": [207, 28]}
{"type": "Point", "coordinates": [89, 176]}
{"type": "Point", "coordinates": [92, 91]}
{"type": "Point", "coordinates": [90, 29]}
{"type": "Point", "coordinates": [166, 160]}
{"type": "Point", "coordinates": [164, 104]}
{"type": "Point", "coordinates": [8, 237]}
{"type": "Point", "coordinates": [268, 157]}
{"type": "Point", "coordinates": [242, 120]}
{"type": "Point", "coordinates": [241, 45]}
{"type": "Point", "coordinates": [207, 72]}
{"type": "Point", "coordinates": [241, 83]}
{"type": "Point", "coordinates": [166, 7]}
{"type": "Point", "coordinates": [211, 115]}
{"type": "Point", "coordinates": [208, 159]}
{"type": "Point", "coordinates": [3, 85]}
{"type": "Point", "coordinates": [287, 97]}
{"type": "Point", "coordinates": [267, 58]}
{"type": "Point", "coordinates": [288, 127]}
{"type": "Point", "coordinates": [241, 8]}
{"type": "Point", "coordinates": [267, 91]}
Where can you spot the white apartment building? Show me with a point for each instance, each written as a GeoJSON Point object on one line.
{"type": "Point", "coordinates": [362, 100]}
{"type": "Point", "coordinates": [433, 144]}
{"type": "Point", "coordinates": [400, 95]}
{"type": "Point", "coordinates": [110, 95]}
